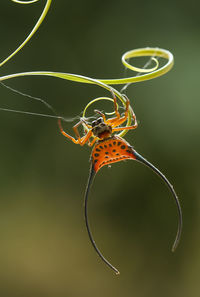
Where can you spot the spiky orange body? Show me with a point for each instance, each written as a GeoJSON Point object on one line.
{"type": "Point", "coordinates": [111, 150]}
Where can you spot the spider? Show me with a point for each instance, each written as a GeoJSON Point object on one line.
{"type": "Point", "coordinates": [109, 148]}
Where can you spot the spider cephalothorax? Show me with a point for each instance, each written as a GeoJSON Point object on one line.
{"type": "Point", "coordinates": [109, 148]}
{"type": "Point", "coordinates": [101, 129]}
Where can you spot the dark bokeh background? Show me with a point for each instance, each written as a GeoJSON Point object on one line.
{"type": "Point", "coordinates": [44, 248]}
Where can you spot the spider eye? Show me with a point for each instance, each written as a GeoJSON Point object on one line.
{"type": "Point", "coordinates": [94, 123]}
{"type": "Point", "coordinates": [99, 120]}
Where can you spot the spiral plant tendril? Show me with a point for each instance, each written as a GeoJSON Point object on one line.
{"type": "Point", "coordinates": [106, 133]}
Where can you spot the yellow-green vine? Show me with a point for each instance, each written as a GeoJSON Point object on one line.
{"type": "Point", "coordinates": [145, 74]}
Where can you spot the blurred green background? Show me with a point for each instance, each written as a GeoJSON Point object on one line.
{"type": "Point", "coordinates": [44, 247]}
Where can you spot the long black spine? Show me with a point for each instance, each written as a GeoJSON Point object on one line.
{"type": "Point", "coordinates": [88, 187]}
{"type": "Point", "coordinates": [159, 173]}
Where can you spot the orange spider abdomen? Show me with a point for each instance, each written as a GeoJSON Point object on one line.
{"type": "Point", "coordinates": [111, 150]}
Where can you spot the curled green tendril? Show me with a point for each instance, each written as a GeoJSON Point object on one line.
{"type": "Point", "coordinates": [35, 28]}
{"type": "Point", "coordinates": [94, 101]}
{"type": "Point", "coordinates": [142, 52]}
{"type": "Point", "coordinates": [24, 2]}
{"type": "Point", "coordinates": [136, 69]}
{"type": "Point", "coordinates": [147, 74]}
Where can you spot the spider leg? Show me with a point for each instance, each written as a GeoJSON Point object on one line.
{"type": "Point", "coordinates": [125, 128]}
{"type": "Point", "coordinates": [101, 113]}
{"type": "Point", "coordinates": [84, 123]}
{"type": "Point", "coordinates": [80, 140]}
{"type": "Point", "coordinates": [123, 119]}
{"type": "Point", "coordinates": [65, 134]}
{"type": "Point", "coordinates": [75, 128]}
{"type": "Point", "coordinates": [86, 137]}
{"type": "Point", "coordinates": [114, 122]}
{"type": "Point", "coordinates": [115, 105]}
{"type": "Point", "coordinates": [90, 143]}
{"type": "Point", "coordinates": [115, 108]}
{"type": "Point", "coordinates": [118, 120]}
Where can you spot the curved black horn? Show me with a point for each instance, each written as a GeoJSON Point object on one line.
{"type": "Point", "coordinates": [180, 221]}
{"type": "Point", "coordinates": [90, 180]}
